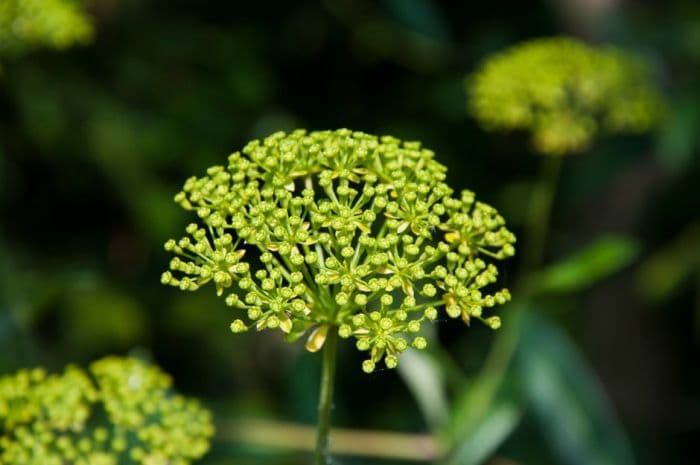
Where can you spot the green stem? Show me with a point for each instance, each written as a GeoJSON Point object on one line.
{"type": "Point", "coordinates": [538, 214]}
{"type": "Point", "coordinates": [325, 401]}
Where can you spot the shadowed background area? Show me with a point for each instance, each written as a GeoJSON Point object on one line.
{"type": "Point", "coordinates": [97, 138]}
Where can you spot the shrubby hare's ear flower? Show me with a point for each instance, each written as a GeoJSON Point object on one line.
{"type": "Point", "coordinates": [564, 92]}
{"type": "Point", "coordinates": [340, 231]}
{"type": "Point", "coordinates": [120, 411]}
{"type": "Point", "coordinates": [27, 24]}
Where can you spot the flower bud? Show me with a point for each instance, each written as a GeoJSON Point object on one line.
{"type": "Point", "coordinates": [391, 361]}
{"type": "Point", "coordinates": [420, 343]}
{"type": "Point", "coordinates": [238, 326]}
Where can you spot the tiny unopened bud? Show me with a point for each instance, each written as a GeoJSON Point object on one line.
{"type": "Point", "coordinates": [341, 298]}
{"type": "Point", "coordinates": [429, 290]}
{"type": "Point", "coordinates": [166, 277]}
{"type": "Point", "coordinates": [362, 344]}
{"type": "Point", "coordinates": [385, 323]}
{"type": "Point", "coordinates": [493, 322]}
{"type": "Point", "coordinates": [238, 326]}
{"type": "Point", "coordinates": [273, 322]}
{"type": "Point", "coordinates": [430, 313]}
{"type": "Point", "coordinates": [345, 331]}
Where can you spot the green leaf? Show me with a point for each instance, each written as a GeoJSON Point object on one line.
{"type": "Point", "coordinates": [598, 260]}
{"type": "Point", "coordinates": [426, 381]}
{"type": "Point", "coordinates": [672, 265]}
{"type": "Point", "coordinates": [487, 434]}
{"type": "Point", "coordinates": [678, 136]}
{"type": "Point", "coordinates": [489, 408]}
{"type": "Point", "coordinates": [576, 417]}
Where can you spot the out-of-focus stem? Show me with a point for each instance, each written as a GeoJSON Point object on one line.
{"type": "Point", "coordinates": [538, 215]}
{"type": "Point", "coordinates": [285, 437]}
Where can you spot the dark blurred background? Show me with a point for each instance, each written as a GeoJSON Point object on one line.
{"type": "Point", "coordinates": [95, 141]}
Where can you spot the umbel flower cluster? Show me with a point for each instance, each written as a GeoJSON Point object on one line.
{"type": "Point", "coordinates": [27, 24]}
{"type": "Point", "coordinates": [564, 92]}
{"type": "Point", "coordinates": [340, 231]}
{"type": "Point", "coordinates": [122, 411]}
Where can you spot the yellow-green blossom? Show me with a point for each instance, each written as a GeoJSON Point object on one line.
{"type": "Point", "coordinates": [563, 92]}
{"type": "Point", "coordinates": [121, 411]}
{"type": "Point", "coordinates": [28, 24]}
{"type": "Point", "coordinates": [342, 231]}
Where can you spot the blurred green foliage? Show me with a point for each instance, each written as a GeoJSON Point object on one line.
{"type": "Point", "coordinates": [94, 140]}
{"type": "Point", "coordinates": [587, 266]}
{"type": "Point", "coordinates": [563, 92]}
{"type": "Point", "coordinates": [30, 24]}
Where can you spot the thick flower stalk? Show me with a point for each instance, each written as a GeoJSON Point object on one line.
{"type": "Point", "coordinates": [563, 92]}
{"type": "Point", "coordinates": [28, 24]}
{"type": "Point", "coordinates": [340, 231]}
{"type": "Point", "coordinates": [121, 411]}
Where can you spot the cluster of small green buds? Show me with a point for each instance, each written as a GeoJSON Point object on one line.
{"type": "Point", "coordinates": [121, 411]}
{"type": "Point", "coordinates": [28, 24]}
{"type": "Point", "coordinates": [340, 231]}
{"type": "Point", "coordinates": [563, 92]}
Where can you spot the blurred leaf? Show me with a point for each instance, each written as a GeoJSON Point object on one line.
{"type": "Point", "coordinates": [489, 433]}
{"type": "Point", "coordinates": [567, 400]}
{"type": "Point", "coordinates": [678, 136]}
{"type": "Point", "coordinates": [488, 408]}
{"type": "Point", "coordinates": [423, 16]}
{"type": "Point", "coordinates": [598, 260]}
{"type": "Point", "coordinates": [671, 265]}
{"type": "Point", "coordinates": [426, 381]}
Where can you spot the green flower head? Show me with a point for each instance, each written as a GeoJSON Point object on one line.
{"type": "Point", "coordinates": [122, 411]}
{"type": "Point", "coordinates": [340, 231]}
{"type": "Point", "coordinates": [563, 92]}
{"type": "Point", "coordinates": [28, 24]}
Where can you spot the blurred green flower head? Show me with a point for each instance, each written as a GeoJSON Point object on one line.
{"type": "Point", "coordinates": [340, 231]}
{"type": "Point", "coordinates": [121, 411]}
{"type": "Point", "coordinates": [564, 92]}
{"type": "Point", "coordinates": [27, 24]}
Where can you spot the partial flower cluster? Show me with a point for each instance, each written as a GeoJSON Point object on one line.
{"type": "Point", "coordinates": [340, 231]}
{"type": "Point", "coordinates": [121, 411]}
{"type": "Point", "coordinates": [27, 24]}
{"type": "Point", "coordinates": [564, 92]}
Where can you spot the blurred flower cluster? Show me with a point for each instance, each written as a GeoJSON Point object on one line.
{"type": "Point", "coordinates": [564, 92]}
{"type": "Point", "coordinates": [341, 231]}
{"type": "Point", "coordinates": [121, 411]}
{"type": "Point", "coordinates": [28, 24]}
